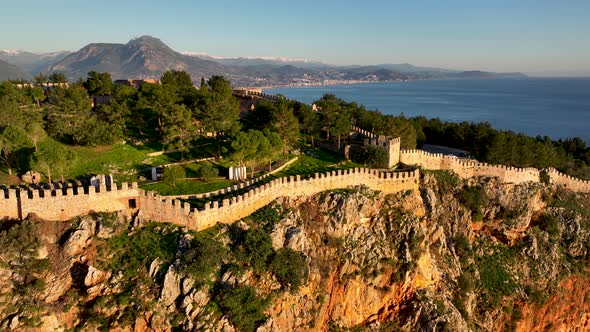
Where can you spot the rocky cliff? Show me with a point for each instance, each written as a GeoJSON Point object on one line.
{"type": "Point", "coordinates": [456, 255]}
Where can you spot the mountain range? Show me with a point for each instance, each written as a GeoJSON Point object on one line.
{"type": "Point", "coordinates": [32, 63]}
{"type": "Point", "coordinates": [149, 57]}
{"type": "Point", "coordinates": [9, 71]}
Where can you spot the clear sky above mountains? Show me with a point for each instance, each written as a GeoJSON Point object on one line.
{"type": "Point", "coordinates": [539, 37]}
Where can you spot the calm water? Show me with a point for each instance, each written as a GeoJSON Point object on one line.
{"type": "Point", "coordinates": [554, 107]}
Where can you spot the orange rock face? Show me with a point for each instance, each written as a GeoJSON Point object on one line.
{"type": "Point", "coordinates": [568, 310]}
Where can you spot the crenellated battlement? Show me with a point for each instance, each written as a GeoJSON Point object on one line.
{"type": "Point", "coordinates": [66, 203]}
{"type": "Point", "coordinates": [227, 210]}
{"type": "Point", "coordinates": [468, 168]}
{"type": "Point", "coordinates": [567, 181]}
{"type": "Point", "coordinates": [262, 95]}
{"type": "Point", "coordinates": [417, 153]}
{"type": "Point", "coordinates": [363, 132]}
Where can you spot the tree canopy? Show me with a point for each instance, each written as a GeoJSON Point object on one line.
{"type": "Point", "coordinates": [52, 158]}
{"type": "Point", "coordinates": [254, 147]}
{"type": "Point", "coordinates": [177, 78]}
{"type": "Point", "coordinates": [99, 84]}
{"type": "Point", "coordinates": [57, 77]}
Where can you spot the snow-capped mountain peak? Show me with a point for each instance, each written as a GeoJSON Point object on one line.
{"type": "Point", "coordinates": [268, 58]}
{"type": "Point", "coordinates": [12, 52]}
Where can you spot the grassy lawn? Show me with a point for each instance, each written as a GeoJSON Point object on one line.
{"type": "Point", "coordinates": [188, 186]}
{"type": "Point", "coordinates": [319, 161]}
{"type": "Point", "coordinates": [5, 179]}
{"type": "Point", "coordinates": [122, 160]}
{"type": "Point", "coordinates": [191, 186]}
{"type": "Point", "coordinates": [125, 162]}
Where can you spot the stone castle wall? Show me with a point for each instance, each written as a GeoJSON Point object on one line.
{"type": "Point", "coordinates": [567, 181]}
{"type": "Point", "coordinates": [54, 205]}
{"type": "Point", "coordinates": [9, 204]}
{"type": "Point", "coordinates": [229, 210]}
{"type": "Point", "coordinates": [468, 168]}
{"type": "Point", "coordinates": [64, 204]}
{"type": "Point", "coordinates": [390, 145]}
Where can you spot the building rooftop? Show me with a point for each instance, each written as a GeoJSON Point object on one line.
{"type": "Point", "coordinates": [446, 150]}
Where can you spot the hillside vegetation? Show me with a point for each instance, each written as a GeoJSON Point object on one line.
{"type": "Point", "coordinates": [58, 133]}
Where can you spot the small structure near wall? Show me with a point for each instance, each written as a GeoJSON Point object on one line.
{"type": "Point", "coordinates": [136, 83]}
{"type": "Point", "coordinates": [237, 173]}
{"type": "Point", "coordinates": [446, 151]}
{"type": "Point", "coordinates": [101, 180]}
{"type": "Point", "coordinates": [31, 177]}
{"type": "Point", "coordinates": [392, 146]}
{"type": "Point", "coordinates": [156, 173]}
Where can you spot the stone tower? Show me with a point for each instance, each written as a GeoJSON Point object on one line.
{"type": "Point", "coordinates": [390, 145]}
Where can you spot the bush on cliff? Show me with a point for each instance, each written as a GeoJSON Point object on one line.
{"type": "Point", "coordinates": [244, 308]}
{"type": "Point", "coordinates": [267, 217]}
{"type": "Point", "coordinates": [131, 253]}
{"type": "Point", "coordinates": [548, 223]}
{"type": "Point", "coordinates": [19, 243]}
{"type": "Point", "coordinates": [258, 246]}
{"type": "Point", "coordinates": [203, 257]}
{"type": "Point", "coordinates": [495, 281]}
{"type": "Point", "coordinates": [289, 268]}
{"type": "Point", "coordinates": [474, 198]}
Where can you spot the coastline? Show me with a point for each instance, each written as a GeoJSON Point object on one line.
{"type": "Point", "coordinates": [325, 83]}
{"type": "Point", "coordinates": [352, 82]}
{"type": "Point", "coordinates": [525, 105]}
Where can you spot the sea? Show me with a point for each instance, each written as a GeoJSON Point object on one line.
{"type": "Point", "coordinates": [554, 107]}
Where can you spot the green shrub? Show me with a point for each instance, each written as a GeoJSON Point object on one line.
{"type": "Point", "coordinates": [205, 171]}
{"type": "Point", "coordinates": [548, 223]}
{"type": "Point", "coordinates": [19, 241]}
{"type": "Point", "coordinates": [172, 174]}
{"type": "Point", "coordinates": [289, 267]}
{"type": "Point", "coordinates": [258, 246]}
{"type": "Point", "coordinates": [474, 198]}
{"type": "Point", "coordinates": [370, 155]}
{"type": "Point", "coordinates": [466, 283]}
{"type": "Point", "coordinates": [130, 254]}
{"type": "Point", "coordinates": [462, 245]}
{"type": "Point", "coordinates": [569, 201]}
{"type": "Point", "coordinates": [508, 214]}
{"type": "Point", "coordinates": [445, 179]}
{"type": "Point", "coordinates": [203, 256]}
{"type": "Point", "coordinates": [463, 248]}
{"type": "Point", "coordinates": [495, 281]}
{"type": "Point", "coordinates": [244, 308]}
{"type": "Point", "coordinates": [267, 217]}
{"type": "Point", "coordinates": [544, 177]}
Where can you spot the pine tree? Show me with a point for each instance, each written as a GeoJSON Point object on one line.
{"type": "Point", "coordinates": [179, 129]}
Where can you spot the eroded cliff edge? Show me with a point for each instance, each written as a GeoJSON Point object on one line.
{"type": "Point", "coordinates": [455, 255]}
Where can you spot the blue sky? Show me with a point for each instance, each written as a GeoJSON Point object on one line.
{"type": "Point", "coordinates": [538, 36]}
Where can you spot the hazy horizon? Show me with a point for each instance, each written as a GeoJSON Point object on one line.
{"type": "Point", "coordinates": [538, 38]}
